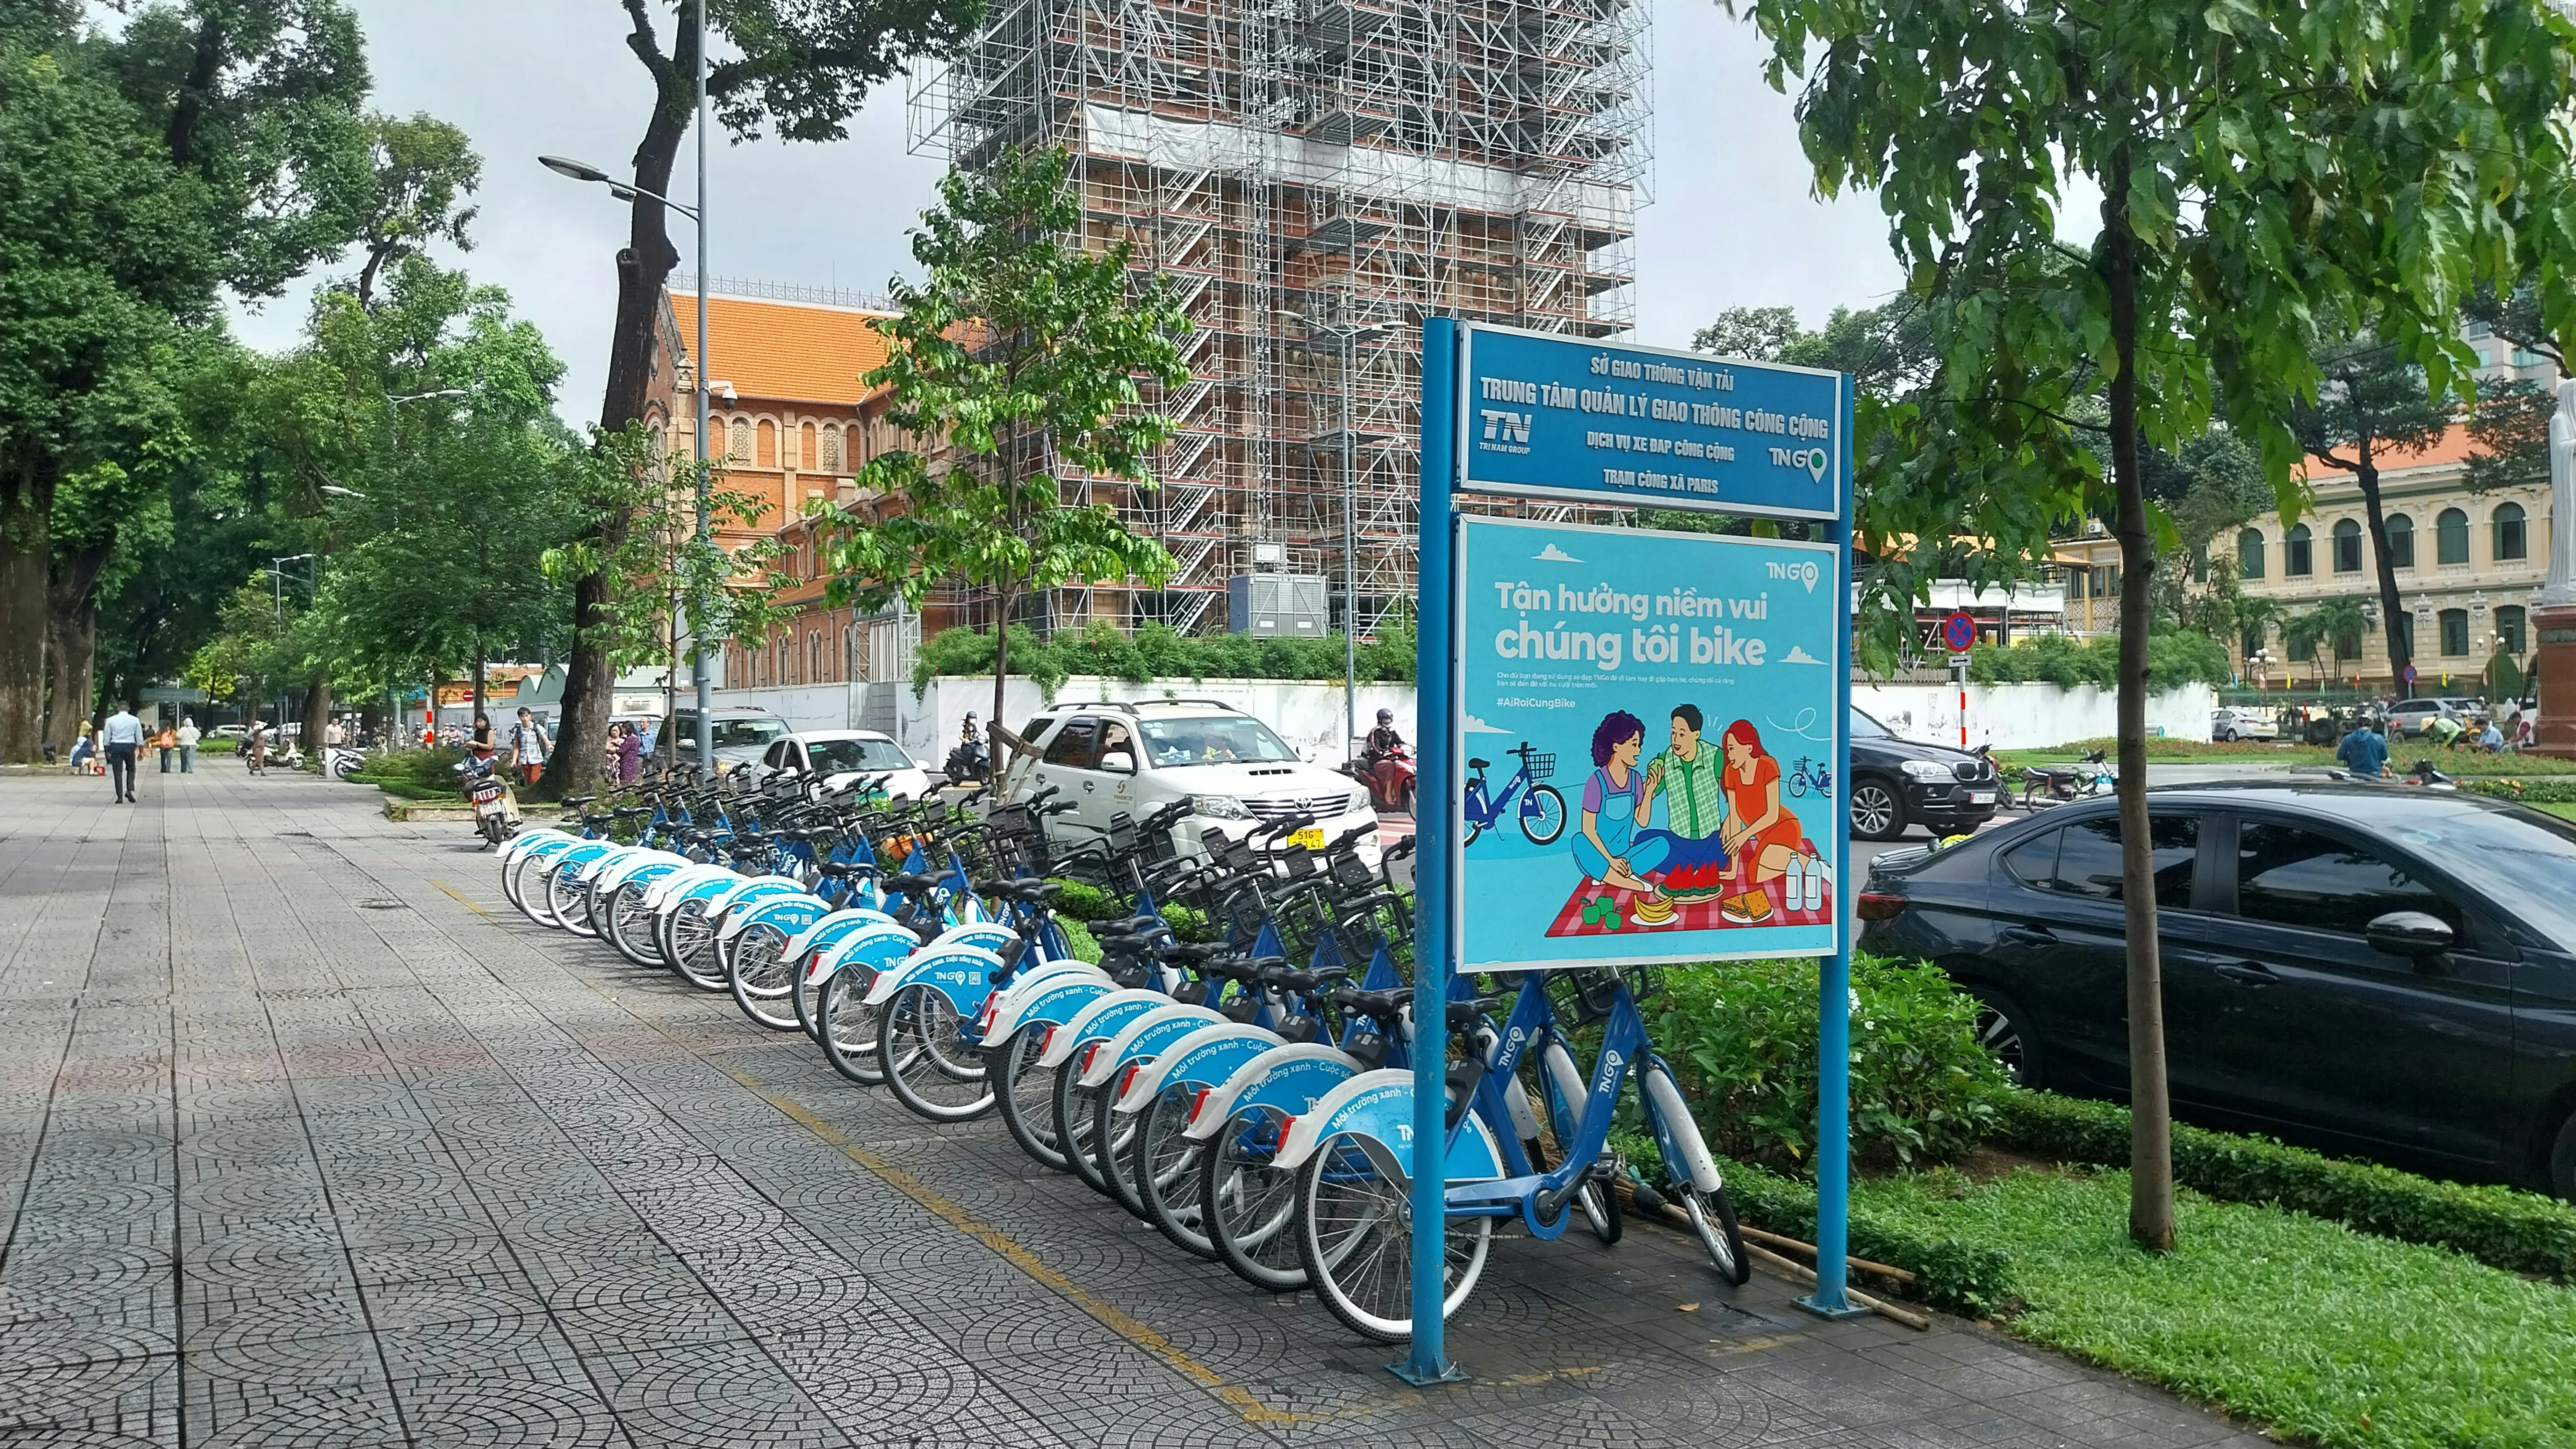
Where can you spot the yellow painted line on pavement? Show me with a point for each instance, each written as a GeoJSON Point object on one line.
{"type": "Point", "coordinates": [461, 899]}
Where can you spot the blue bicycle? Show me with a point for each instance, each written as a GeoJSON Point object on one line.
{"type": "Point", "coordinates": [1542, 810]}
{"type": "Point", "coordinates": [1810, 776]}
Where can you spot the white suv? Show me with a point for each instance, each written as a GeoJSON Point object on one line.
{"type": "Point", "coordinates": [1133, 759]}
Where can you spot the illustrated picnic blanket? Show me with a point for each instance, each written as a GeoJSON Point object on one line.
{"type": "Point", "coordinates": [1597, 908]}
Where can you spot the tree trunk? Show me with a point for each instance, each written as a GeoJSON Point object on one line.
{"type": "Point", "coordinates": [479, 706]}
{"type": "Point", "coordinates": [71, 644]}
{"type": "Point", "coordinates": [1001, 672]}
{"type": "Point", "coordinates": [26, 501]}
{"type": "Point", "coordinates": [2151, 1205]}
{"type": "Point", "coordinates": [317, 717]}
{"type": "Point", "coordinates": [642, 267]}
{"type": "Point", "coordinates": [2401, 641]}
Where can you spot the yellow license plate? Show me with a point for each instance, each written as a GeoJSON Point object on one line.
{"type": "Point", "coordinates": [1311, 837]}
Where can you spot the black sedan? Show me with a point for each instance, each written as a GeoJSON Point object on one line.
{"type": "Point", "coordinates": [1900, 782]}
{"type": "Point", "coordinates": [2370, 969]}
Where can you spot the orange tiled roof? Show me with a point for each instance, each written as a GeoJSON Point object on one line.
{"type": "Point", "coordinates": [2453, 447]}
{"type": "Point", "coordinates": [784, 351]}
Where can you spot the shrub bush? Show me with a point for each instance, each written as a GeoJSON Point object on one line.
{"type": "Point", "coordinates": [1742, 1038]}
{"type": "Point", "coordinates": [1080, 901]}
{"type": "Point", "coordinates": [2528, 792]}
{"type": "Point", "coordinates": [2172, 658]}
{"type": "Point", "coordinates": [415, 774]}
{"type": "Point", "coordinates": [1157, 651]}
{"type": "Point", "coordinates": [2519, 1231]}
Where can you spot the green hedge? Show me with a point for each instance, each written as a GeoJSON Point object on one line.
{"type": "Point", "coordinates": [2519, 1231]}
{"type": "Point", "coordinates": [2527, 792]}
{"type": "Point", "coordinates": [2172, 658]}
{"type": "Point", "coordinates": [1952, 1273]}
{"type": "Point", "coordinates": [1157, 651]}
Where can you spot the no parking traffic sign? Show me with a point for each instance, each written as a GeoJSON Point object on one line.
{"type": "Point", "coordinates": [1959, 631]}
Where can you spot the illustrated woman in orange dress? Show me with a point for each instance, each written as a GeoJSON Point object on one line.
{"type": "Point", "coordinates": [1760, 835]}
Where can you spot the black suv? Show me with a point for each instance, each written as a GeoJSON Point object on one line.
{"type": "Point", "coordinates": [1897, 782]}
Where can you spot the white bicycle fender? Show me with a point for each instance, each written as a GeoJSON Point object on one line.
{"type": "Point", "coordinates": [1100, 1020]}
{"type": "Point", "coordinates": [1050, 1000]}
{"type": "Point", "coordinates": [1378, 1106]}
{"type": "Point", "coordinates": [670, 886]}
{"type": "Point", "coordinates": [747, 886]}
{"type": "Point", "coordinates": [580, 858]}
{"type": "Point", "coordinates": [933, 966]}
{"type": "Point", "coordinates": [1148, 1033]}
{"type": "Point", "coordinates": [1197, 1057]}
{"type": "Point", "coordinates": [983, 934]}
{"type": "Point", "coordinates": [878, 946]}
{"type": "Point", "coordinates": [643, 859]}
{"type": "Point", "coordinates": [832, 928]}
{"type": "Point", "coordinates": [1684, 1127]}
{"type": "Point", "coordinates": [755, 908]}
{"type": "Point", "coordinates": [1290, 1079]}
{"type": "Point", "coordinates": [529, 839]}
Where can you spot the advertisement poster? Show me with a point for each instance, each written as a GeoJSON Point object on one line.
{"type": "Point", "coordinates": [1649, 731]}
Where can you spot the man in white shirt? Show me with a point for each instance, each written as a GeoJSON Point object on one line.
{"type": "Point", "coordinates": [124, 741]}
{"type": "Point", "coordinates": [528, 745]}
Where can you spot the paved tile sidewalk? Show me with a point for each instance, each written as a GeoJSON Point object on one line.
{"type": "Point", "coordinates": [307, 1138]}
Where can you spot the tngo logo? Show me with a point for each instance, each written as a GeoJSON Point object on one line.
{"type": "Point", "coordinates": [1814, 460]}
{"type": "Point", "coordinates": [1509, 427]}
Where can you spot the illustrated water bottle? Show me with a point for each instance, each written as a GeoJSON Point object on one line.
{"type": "Point", "coordinates": [1815, 881]}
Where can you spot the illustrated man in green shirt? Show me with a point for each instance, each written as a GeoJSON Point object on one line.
{"type": "Point", "coordinates": [1690, 776]}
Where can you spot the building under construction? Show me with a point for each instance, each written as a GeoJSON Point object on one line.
{"type": "Point", "coordinates": [1317, 176]}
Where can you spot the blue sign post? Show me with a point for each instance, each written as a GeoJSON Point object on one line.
{"type": "Point", "coordinates": [1669, 705]}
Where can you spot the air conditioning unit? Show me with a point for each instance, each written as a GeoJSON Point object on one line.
{"type": "Point", "coordinates": [1277, 606]}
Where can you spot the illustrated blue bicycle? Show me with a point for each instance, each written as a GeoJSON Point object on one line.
{"type": "Point", "coordinates": [1542, 810]}
{"type": "Point", "coordinates": [1810, 776]}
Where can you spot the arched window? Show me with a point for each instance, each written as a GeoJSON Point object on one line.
{"type": "Point", "coordinates": [2298, 555]}
{"type": "Point", "coordinates": [813, 657]}
{"type": "Point", "coordinates": [2347, 547]}
{"type": "Point", "coordinates": [2509, 622]}
{"type": "Point", "coordinates": [2455, 632]}
{"type": "Point", "coordinates": [805, 454]}
{"type": "Point", "coordinates": [2451, 538]}
{"type": "Point", "coordinates": [766, 455]}
{"type": "Point", "coordinates": [2401, 541]}
{"type": "Point", "coordinates": [2512, 533]}
{"type": "Point", "coordinates": [831, 449]}
{"type": "Point", "coordinates": [738, 449]}
{"type": "Point", "coordinates": [2249, 554]}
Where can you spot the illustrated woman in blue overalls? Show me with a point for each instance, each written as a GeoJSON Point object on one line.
{"type": "Point", "coordinates": [1613, 846]}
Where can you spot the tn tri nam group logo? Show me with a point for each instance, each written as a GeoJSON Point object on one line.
{"type": "Point", "coordinates": [1505, 431]}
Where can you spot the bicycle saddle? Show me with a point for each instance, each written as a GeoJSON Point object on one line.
{"type": "Point", "coordinates": [1127, 925]}
{"type": "Point", "coordinates": [837, 869]}
{"type": "Point", "coordinates": [1302, 982]}
{"type": "Point", "coordinates": [911, 882]}
{"type": "Point", "coordinates": [577, 801]}
{"type": "Point", "coordinates": [1479, 764]}
{"type": "Point", "coordinates": [1385, 1007]}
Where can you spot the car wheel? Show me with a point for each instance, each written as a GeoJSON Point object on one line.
{"type": "Point", "coordinates": [2003, 1029]}
{"type": "Point", "coordinates": [1877, 810]}
{"type": "Point", "coordinates": [2562, 1161]}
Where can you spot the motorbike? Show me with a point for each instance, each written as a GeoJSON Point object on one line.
{"type": "Point", "coordinates": [496, 815]}
{"type": "Point", "coordinates": [971, 760]}
{"type": "Point", "coordinates": [342, 762]}
{"type": "Point", "coordinates": [2056, 784]}
{"type": "Point", "coordinates": [2425, 774]}
{"type": "Point", "coordinates": [1389, 777]}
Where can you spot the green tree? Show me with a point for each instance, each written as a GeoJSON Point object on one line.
{"type": "Point", "coordinates": [800, 68]}
{"type": "Point", "coordinates": [2338, 621]}
{"type": "Point", "coordinates": [1020, 353]}
{"type": "Point", "coordinates": [421, 169]}
{"type": "Point", "coordinates": [2266, 168]}
{"type": "Point", "coordinates": [2371, 405]}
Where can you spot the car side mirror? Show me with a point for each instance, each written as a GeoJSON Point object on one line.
{"type": "Point", "coordinates": [1118, 762]}
{"type": "Point", "coordinates": [2411, 934]}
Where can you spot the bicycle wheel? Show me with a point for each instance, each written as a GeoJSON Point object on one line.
{"type": "Point", "coordinates": [1112, 1133]}
{"type": "Point", "coordinates": [1563, 1094]}
{"type": "Point", "coordinates": [1072, 1118]}
{"type": "Point", "coordinates": [1543, 817]}
{"type": "Point", "coordinates": [1247, 1207]}
{"type": "Point", "coordinates": [1713, 1218]}
{"type": "Point", "coordinates": [1024, 1094]}
{"type": "Point", "coordinates": [630, 925]}
{"type": "Point", "coordinates": [1163, 1167]}
{"type": "Point", "coordinates": [511, 876]}
{"type": "Point", "coordinates": [1354, 1234]}
{"type": "Point", "coordinates": [1798, 785]}
{"type": "Point", "coordinates": [691, 946]}
{"type": "Point", "coordinates": [928, 1061]}
{"type": "Point", "coordinates": [849, 1025]}
{"type": "Point", "coordinates": [762, 979]}
{"type": "Point", "coordinates": [594, 908]}
{"type": "Point", "coordinates": [807, 998]}
{"type": "Point", "coordinates": [566, 901]}
{"type": "Point", "coordinates": [533, 872]}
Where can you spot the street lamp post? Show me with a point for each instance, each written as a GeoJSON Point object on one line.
{"type": "Point", "coordinates": [698, 214]}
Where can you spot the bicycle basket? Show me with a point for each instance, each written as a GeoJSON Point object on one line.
{"type": "Point", "coordinates": [1589, 994]}
{"type": "Point", "coordinates": [1541, 764]}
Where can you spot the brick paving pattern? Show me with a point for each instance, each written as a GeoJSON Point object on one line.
{"type": "Point", "coordinates": [300, 1147]}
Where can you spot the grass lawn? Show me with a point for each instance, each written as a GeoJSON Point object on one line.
{"type": "Point", "coordinates": [2401, 754]}
{"type": "Point", "coordinates": [2307, 1327]}
{"type": "Point", "coordinates": [2563, 812]}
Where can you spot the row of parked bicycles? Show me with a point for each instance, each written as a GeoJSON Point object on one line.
{"type": "Point", "coordinates": [1247, 1092]}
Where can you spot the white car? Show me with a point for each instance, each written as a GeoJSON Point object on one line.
{"type": "Point", "coordinates": [2242, 722]}
{"type": "Point", "coordinates": [1134, 759]}
{"type": "Point", "coordinates": [841, 756]}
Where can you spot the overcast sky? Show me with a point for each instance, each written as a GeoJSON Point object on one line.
{"type": "Point", "coordinates": [1732, 222]}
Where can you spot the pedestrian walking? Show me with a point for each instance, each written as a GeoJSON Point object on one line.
{"type": "Point", "coordinates": [189, 735]}
{"type": "Point", "coordinates": [482, 735]}
{"type": "Point", "coordinates": [124, 735]}
{"type": "Point", "coordinates": [630, 754]}
{"type": "Point", "coordinates": [528, 745]}
{"type": "Point", "coordinates": [167, 742]}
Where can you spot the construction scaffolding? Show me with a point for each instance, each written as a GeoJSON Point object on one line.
{"type": "Point", "coordinates": [1316, 177]}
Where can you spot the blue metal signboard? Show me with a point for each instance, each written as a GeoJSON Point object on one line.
{"type": "Point", "coordinates": [1509, 659]}
{"type": "Point", "coordinates": [1547, 416]}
